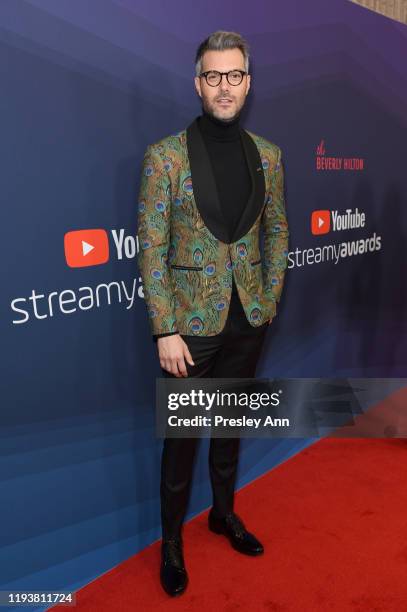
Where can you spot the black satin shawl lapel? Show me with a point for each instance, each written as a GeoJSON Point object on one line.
{"type": "Point", "coordinates": [257, 196]}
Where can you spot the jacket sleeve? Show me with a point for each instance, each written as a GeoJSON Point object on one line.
{"type": "Point", "coordinates": [275, 226]}
{"type": "Point", "coordinates": [154, 206]}
{"type": "Point", "coordinates": [156, 336]}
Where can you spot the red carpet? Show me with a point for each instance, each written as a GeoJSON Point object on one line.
{"type": "Point", "coordinates": [333, 521]}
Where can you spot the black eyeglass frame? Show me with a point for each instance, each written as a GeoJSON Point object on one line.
{"type": "Point", "coordinates": [242, 73]}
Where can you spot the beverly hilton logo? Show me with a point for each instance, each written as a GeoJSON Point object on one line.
{"type": "Point", "coordinates": [323, 162]}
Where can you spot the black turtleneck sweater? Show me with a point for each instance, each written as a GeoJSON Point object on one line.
{"type": "Point", "coordinates": [229, 164]}
{"type": "Point", "coordinates": [232, 176]}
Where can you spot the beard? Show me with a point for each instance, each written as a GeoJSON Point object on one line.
{"type": "Point", "coordinates": [210, 110]}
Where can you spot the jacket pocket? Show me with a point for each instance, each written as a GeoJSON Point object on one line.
{"type": "Point", "coordinates": [177, 267]}
{"type": "Point", "coordinates": [254, 263]}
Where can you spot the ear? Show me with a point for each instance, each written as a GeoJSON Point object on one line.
{"type": "Point", "coordinates": [197, 81]}
{"type": "Point", "coordinates": [248, 79]}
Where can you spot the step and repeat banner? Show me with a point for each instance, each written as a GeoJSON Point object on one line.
{"type": "Point", "coordinates": [86, 86]}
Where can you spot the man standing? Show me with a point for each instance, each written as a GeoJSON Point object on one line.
{"type": "Point", "coordinates": [205, 194]}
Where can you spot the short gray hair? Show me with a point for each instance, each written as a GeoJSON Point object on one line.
{"type": "Point", "coordinates": [219, 41]}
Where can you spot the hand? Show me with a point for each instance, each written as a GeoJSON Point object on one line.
{"type": "Point", "coordinates": [172, 352]}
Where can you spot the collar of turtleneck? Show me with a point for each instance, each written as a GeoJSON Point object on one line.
{"type": "Point", "coordinates": [216, 129]}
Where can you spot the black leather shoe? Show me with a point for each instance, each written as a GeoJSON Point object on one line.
{"type": "Point", "coordinates": [232, 526]}
{"type": "Point", "coordinates": [173, 575]}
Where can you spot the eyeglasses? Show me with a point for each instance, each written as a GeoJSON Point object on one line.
{"type": "Point", "coordinates": [214, 77]}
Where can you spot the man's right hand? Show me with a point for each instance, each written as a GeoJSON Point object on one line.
{"type": "Point", "coordinates": [172, 352]}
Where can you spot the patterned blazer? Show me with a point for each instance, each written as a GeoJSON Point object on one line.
{"type": "Point", "coordinates": [185, 256]}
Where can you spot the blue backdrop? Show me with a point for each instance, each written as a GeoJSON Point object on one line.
{"type": "Point", "coordinates": [85, 87]}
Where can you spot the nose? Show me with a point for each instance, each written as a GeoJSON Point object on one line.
{"type": "Point", "coordinates": [224, 82]}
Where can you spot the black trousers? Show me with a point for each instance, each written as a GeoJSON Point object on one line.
{"type": "Point", "coordinates": [233, 353]}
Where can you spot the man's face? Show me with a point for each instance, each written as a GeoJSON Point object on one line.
{"type": "Point", "coordinates": [224, 101]}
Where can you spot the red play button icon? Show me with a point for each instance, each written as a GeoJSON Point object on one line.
{"type": "Point", "coordinates": [320, 222]}
{"type": "Point", "coordinates": [86, 248]}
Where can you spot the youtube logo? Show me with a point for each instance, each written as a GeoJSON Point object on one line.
{"type": "Point", "coordinates": [86, 248]}
{"type": "Point", "coordinates": [320, 222]}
